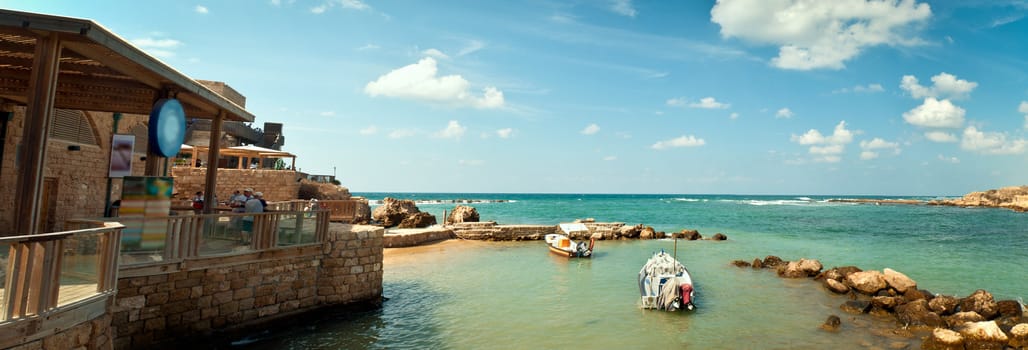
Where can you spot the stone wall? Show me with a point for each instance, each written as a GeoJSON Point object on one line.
{"type": "Point", "coordinates": [409, 237]}
{"type": "Point", "coordinates": [206, 295]}
{"type": "Point", "coordinates": [490, 231]}
{"type": "Point", "coordinates": [277, 185]}
{"type": "Point", "coordinates": [93, 335]}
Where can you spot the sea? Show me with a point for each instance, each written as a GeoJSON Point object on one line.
{"type": "Point", "coordinates": [515, 295]}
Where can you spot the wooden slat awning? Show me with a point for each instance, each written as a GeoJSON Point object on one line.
{"type": "Point", "coordinates": [248, 152]}
{"type": "Point", "coordinates": [99, 71]}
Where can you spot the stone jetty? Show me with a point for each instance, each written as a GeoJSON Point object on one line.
{"type": "Point", "coordinates": [976, 321]}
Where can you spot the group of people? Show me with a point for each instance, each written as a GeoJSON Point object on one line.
{"type": "Point", "coordinates": [247, 202]}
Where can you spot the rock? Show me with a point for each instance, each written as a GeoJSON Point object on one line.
{"type": "Point", "coordinates": [630, 231]}
{"type": "Point", "coordinates": [981, 302]}
{"type": "Point", "coordinates": [915, 314]}
{"type": "Point", "coordinates": [839, 273]}
{"type": "Point", "coordinates": [886, 303]}
{"type": "Point", "coordinates": [691, 235]}
{"type": "Point", "coordinates": [647, 233]}
{"type": "Point", "coordinates": [418, 220]}
{"type": "Point", "coordinates": [321, 191]}
{"type": "Point", "coordinates": [362, 215]}
{"type": "Point", "coordinates": [836, 286]}
{"type": "Point", "coordinates": [899, 345]}
{"type": "Point", "coordinates": [800, 269]}
{"type": "Point", "coordinates": [393, 211]}
{"type": "Point", "coordinates": [982, 335]}
{"type": "Point", "coordinates": [1009, 308]}
{"type": "Point", "coordinates": [1015, 197]}
{"type": "Point", "coordinates": [832, 323]}
{"type": "Point", "coordinates": [867, 282]}
{"type": "Point", "coordinates": [719, 237]}
{"type": "Point", "coordinates": [740, 263]}
{"type": "Point", "coordinates": [898, 280]}
{"type": "Point", "coordinates": [1006, 323]}
{"type": "Point", "coordinates": [772, 261]}
{"type": "Point", "coordinates": [463, 213]}
{"type": "Point", "coordinates": [960, 318]}
{"type": "Point", "coordinates": [757, 264]}
{"type": "Point", "coordinates": [1019, 336]}
{"type": "Point", "coordinates": [856, 306]}
{"type": "Point", "coordinates": [943, 339]}
{"type": "Point", "coordinates": [917, 294]}
{"type": "Point", "coordinates": [660, 235]}
{"type": "Point", "coordinates": [597, 236]}
{"type": "Point", "coordinates": [943, 304]}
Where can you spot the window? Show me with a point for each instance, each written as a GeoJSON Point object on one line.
{"type": "Point", "coordinates": [72, 126]}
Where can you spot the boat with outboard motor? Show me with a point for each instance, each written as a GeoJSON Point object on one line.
{"type": "Point", "coordinates": [562, 244]}
{"type": "Point", "coordinates": [665, 284]}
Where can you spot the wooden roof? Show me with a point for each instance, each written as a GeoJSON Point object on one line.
{"type": "Point", "coordinates": [99, 71]}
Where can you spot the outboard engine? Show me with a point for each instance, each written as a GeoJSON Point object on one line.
{"type": "Point", "coordinates": [687, 290]}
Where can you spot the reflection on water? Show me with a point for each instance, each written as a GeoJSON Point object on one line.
{"type": "Point", "coordinates": [518, 295]}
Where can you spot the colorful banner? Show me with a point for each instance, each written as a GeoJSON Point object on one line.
{"type": "Point", "coordinates": [145, 197]}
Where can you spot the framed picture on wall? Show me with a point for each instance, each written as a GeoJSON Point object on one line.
{"type": "Point", "coordinates": [121, 155]}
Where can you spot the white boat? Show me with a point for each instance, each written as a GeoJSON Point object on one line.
{"type": "Point", "coordinates": [665, 284]}
{"type": "Point", "coordinates": [562, 244]}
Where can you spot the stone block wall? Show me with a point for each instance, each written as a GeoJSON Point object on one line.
{"type": "Point", "coordinates": [396, 238]}
{"type": "Point", "coordinates": [225, 293]}
{"type": "Point", "coordinates": [92, 335]}
{"type": "Point", "coordinates": [277, 185]}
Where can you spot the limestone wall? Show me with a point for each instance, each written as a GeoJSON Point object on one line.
{"type": "Point", "coordinates": [277, 185]}
{"type": "Point", "coordinates": [94, 334]}
{"type": "Point", "coordinates": [203, 296]}
{"type": "Point", "coordinates": [409, 237]}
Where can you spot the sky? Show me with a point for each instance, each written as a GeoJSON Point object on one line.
{"type": "Point", "coordinates": [843, 97]}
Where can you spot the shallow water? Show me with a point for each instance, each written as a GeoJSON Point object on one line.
{"type": "Point", "coordinates": [473, 295]}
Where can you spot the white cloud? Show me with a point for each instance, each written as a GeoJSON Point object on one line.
{"type": "Point", "coordinates": [681, 141]}
{"type": "Point", "coordinates": [435, 53]}
{"type": "Point", "coordinates": [733, 116]}
{"type": "Point", "coordinates": [870, 148]}
{"type": "Point", "coordinates": [677, 102]}
{"type": "Point", "coordinates": [401, 133]}
{"type": "Point", "coordinates": [505, 133]}
{"type": "Point", "coordinates": [826, 148]}
{"type": "Point", "coordinates": [590, 129]}
{"type": "Point", "coordinates": [370, 130]}
{"type": "Point", "coordinates": [610, 158]}
{"type": "Point", "coordinates": [953, 160]}
{"type": "Point", "coordinates": [868, 155]}
{"type": "Point", "coordinates": [201, 9]}
{"type": "Point", "coordinates": [820, 34]}
{"type": "Point", "coordinates": [940, 136]}
{"type": "Point", "coordinates": [1023, 108]}
{"type": "Point", "coordinates": [453, 130]}
{"type": "Point", "coordinates": [709, 103]}
{"type": "Point", "coordinates": [473, 45]}
{"type": "Point", "coordinates": [935, 114]}
{"type": "Point", "coordinates": [623, 7]}
{"type": "Point", "coordinates": [869, 88]}
{"type": "Point", "coordinates": [420, 81]}
{"type": "Point", "coordinates": [783, 113]}
{"type": "Point", "coordinates": [163, 48]}
{"type": "Point", "coordinates": [944, 85]}
{"type": "Point", "coordinates": [991, 142]}
{"type": "Point", "coordinates": [346, 4]}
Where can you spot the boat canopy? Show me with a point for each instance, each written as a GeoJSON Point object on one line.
{"type": "Point", "coordinates": [575, 227]}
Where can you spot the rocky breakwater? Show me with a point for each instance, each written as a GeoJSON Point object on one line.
{"type": "Point", "coordinates": [491, 231]}
{"type": "Point", "coordinates": [401, 213]}
{"type": "Point", "coordinates": [973, 322]}
{"type": "Point", "coordinates": [1014, 198]}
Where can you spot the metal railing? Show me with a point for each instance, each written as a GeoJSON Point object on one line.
{"type": "Point", "coordinates": [165, 239]}
{"type": "Point", "coordinates": [43, 273]}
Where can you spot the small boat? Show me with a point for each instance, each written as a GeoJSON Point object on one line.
{"type": "Point", "coordinates": [665, 284]}
{"type": "Point", "coordinates": [561, 243]}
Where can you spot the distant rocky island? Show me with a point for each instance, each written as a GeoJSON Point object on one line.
{"type": "Point", "coordinates": [1014, 198]}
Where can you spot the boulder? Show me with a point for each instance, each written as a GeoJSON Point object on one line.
{"type": "Point", "coordinates": [630, 231]}
{"type": "Point", "coordinates": [660, 235]}
{"type": "Point", "coordinates": [856, 306]}
{"type": "Point", "coordinates": [757, 264]}
{"type": "Point", "coordinates": [981, 302]}
{"type": "Point", "coordinates": [719, 237]}
{"type": "Point", "coordinates": [772, 261]}
{"type": "Point", "coordinates": [691, 235]}
{"type": "Point", "coordinates": [960, 318]}
{"type": "Point", "coordinates": [943, 339]}
{"type": "Point", "coordinates": [1019, 336]}
{"type": "Point", "coordinates": [867, 282]}
{"type": "Point", "coordinates": [832, 323]}
{"type": "Point", "coordinates": [647, 233]}
{"type": "Point", "coordinates": [836, 286]}
{"type": "Point", "coordinates": [839, 273]}
{"type": "Point", "coordinates": [898, 280]}
{"type": "Point", "coordinates": [886, 303]}
{"type": "Point", "coordinates": [915, 314]}
{"type": "Point", "coordinates": [917, 294]}
{"type": "Point", "coordinates": [800, 269]}
{"type": "Point", "coordinates": [418, 220]}
{"type": "Point", "coordinates": [943, 304]}
{"type": "Point", "coordinates": [321, 191]}
{"type": "Point", "coordinates": [362, 215]}
{"type": "Point", "coordinates": [1009, 308]}
{"type": "Point", "coordinates": [393, 211]}
{"type": "Point", "coordinates": [740, 263]}
{"type": "Point", "coordinates": [463, 213]}
{"type": "Point", "coordinates": [982, 335]}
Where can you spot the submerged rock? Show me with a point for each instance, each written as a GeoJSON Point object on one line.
{"type": "Point", "coordinates": [772, 261]}
{"type": "Point", "coordinates": [757, 264]}
{"type": "Point", "coordinates": [832, 323]}
{"type": "Point", "coordinates": [800, 269]}
{"type": "Point", "coordinates": [856, 306]}
{"type": "Point", "coordinates": [719, 237]}
{"type": "Point", "coordinates": [740, 263]}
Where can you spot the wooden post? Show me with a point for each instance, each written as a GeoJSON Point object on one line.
{"type": "Point", "coordinates": [38, 114]}
{"type": "Point", "coordinates": [213, 151]}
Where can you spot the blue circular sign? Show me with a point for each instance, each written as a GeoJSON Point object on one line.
{"type": "Point", "coordinates": [167, 127]}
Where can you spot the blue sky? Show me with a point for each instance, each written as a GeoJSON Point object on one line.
{"type": "Point", "coordinates": [736, 96]}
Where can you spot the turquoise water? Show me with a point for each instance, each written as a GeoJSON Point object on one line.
{"type": "Point", "coordinates": [473, 295]}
